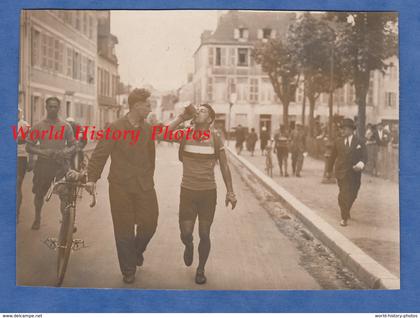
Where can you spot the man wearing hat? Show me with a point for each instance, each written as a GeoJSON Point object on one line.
{"type": "Point", "coordinates": [349, 156]}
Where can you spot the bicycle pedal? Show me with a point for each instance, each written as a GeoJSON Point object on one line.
{"type": "Point", "coordinates": [78, 244]}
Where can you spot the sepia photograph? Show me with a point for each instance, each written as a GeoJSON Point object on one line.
{"type": "Point", "coordinates": [208, 149]}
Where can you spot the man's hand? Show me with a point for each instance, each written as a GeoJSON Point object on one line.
{"type": "Point", "coordinates": [188, 113]}
{"type": "Point", "coordinates": [358, 166]}
{"type": "Point", "coordinates": [90, 187]}
{"type": "Point", "coordinates": [49, 153]}
{"type": "Point", "coordinates": [30, 164]}
{"type": "Point", "coordinates": [231, 197]}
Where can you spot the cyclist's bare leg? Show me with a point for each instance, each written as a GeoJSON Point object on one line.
{"type": "Point", "coordinates": [38, 202]}
{"type": "Point", "coordinates": [204, 246]}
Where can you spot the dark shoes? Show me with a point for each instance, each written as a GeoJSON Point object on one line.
{"type": "Point", "coordinates": [200, 278]}
{"type": "Point", "coordinates": [140, 259]}
{"type": "Point", "coordinates": [129, 278]}
{"type": "Point", "coordinates": [36, 225]}
{"type": "Point", "coordinates": [189, 254]}
{"type": "Point", "coordinates": [343, 223]}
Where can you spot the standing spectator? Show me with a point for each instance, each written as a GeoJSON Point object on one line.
{"type": "Point", "coordinates": [372, 141]}
{"type": "Point", "coordinates": [349, 157]}
{"type": "Point", "coordinates": [281, 148]}
{"type": "Point", "coordinates": [264, 138]}
{"type": "Point", "coordinates": [23, 164]}
{"type": "Point", "coordinates": [53, 157]}
{"type": "Point", "coordinates": [394, 135]}
{"type": "Point", "coordinates": [297, 148]}
{"type": "Point", "coordinates": [383, 135]}
{"type": "Point", "coordinates": [240, 138]}
{"type": "Point", "coordinates": [251, 141]}
{"type": "Point", "coordinates": [382, 140]}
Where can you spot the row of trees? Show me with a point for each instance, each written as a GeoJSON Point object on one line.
{"type": "Point", "coordinates": [326, 51]}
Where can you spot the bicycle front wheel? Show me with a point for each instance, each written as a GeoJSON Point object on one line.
{"type": "Point", "coordinates": [65, 242]}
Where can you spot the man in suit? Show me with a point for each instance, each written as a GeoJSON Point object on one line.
{"type": "Point", "coordinates": [349, 156]}
{"type": "Point", "coordinates": [132, 195]}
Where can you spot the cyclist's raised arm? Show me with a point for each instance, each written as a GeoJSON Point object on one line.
{"type": "Point", "coordinates": [187, 114]}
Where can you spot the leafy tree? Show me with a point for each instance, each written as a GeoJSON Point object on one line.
{"type": "Point", "coordinates": [277, 60]}
{"type": "Point", "coordinates": [366, 40]}
{"type": "Point", "coordinates": [314, 46]}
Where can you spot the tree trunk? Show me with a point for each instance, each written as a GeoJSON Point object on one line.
{"type": "Point", "coordinates": [303, 108]}
{"type": "Point", "coordinates": [311, 114]}
{"type": "Point", "coordinates": [286, 115]}
{"type": "Point", "coordinates": [361, 116]}
{"type": "Point", "coordinates": [361, 90]}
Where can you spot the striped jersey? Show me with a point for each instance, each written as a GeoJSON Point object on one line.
{"type": "Point", "coordinates": [199, 159]}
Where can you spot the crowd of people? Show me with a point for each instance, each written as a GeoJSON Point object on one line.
{"type": "Point", "coordinates": [286, 142]}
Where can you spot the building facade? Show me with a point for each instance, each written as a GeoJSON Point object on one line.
{"type": "Point", "coordinates": [226, 76]}
{"type": "Point", "coordinates": [58, 58]}
{"type": "Point", "coordinates": [107, 69]}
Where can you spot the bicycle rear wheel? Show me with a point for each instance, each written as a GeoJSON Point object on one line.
{"type": "Point", "coordinates": [65, 241]}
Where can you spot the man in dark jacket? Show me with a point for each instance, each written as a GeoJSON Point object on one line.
{"type": "Point", "coordinates": [349, 156]}
{"type": "Point", "coordinates": [132, 194]}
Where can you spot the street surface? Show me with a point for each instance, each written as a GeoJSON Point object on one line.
{"type": "Point", "coordinates": [250, 249]}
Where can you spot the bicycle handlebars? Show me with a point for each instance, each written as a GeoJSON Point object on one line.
{"type": "Point", "coordinates": [77, 184]}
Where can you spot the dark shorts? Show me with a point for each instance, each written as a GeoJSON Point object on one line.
{"type": "Point", "coordinates": [44, 173]}
{"type": "Point", "coordinates": [282, 152]}
{"type": "Point", "coordinates": [201, 203]}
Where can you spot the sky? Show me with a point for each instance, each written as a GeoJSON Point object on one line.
{"type": "Point", "coordinates": [156, 47]}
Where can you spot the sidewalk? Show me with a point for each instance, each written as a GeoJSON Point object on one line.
{"type": "Point", "coordinates": [374, 226]}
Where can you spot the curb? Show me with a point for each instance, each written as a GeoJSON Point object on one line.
{"type": "Point", "coordinates": [365, 267]}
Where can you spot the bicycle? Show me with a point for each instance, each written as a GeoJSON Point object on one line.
{"type": "Point", "coordinates": [75, 182]}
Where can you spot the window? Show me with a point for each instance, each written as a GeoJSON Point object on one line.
{"type": "Point", "coordinates": [58, 56]}
{"type": "Point", "coordinates": [266, 33]}
{"type": "Point", "coordinates": [69, 68]}
{"type": "Point", "coordinates": [91, 72]}
{"type": "Point", "coordinates": [243, 33]}
{"type": "Point", "coordinates": [390, 99]}
{"type": "Point", "coordinates": [50, 58]}
{"type": "Point", "coordinates": [370, 94]}
{"type": "Point", "coordinates": [242, 89]}
{"type": "Point", "coordinates": [218, 56]}
{"type": "Point", "coordinates": [266, 94]}
{"type": "Point", "coordinates": [35, 48]}
{"type": "Point", "coordinates": [232, 54]}
{"type": "Point", "coordinates": [253, 90]}
{"type": "Point", "coordinates": [68, 16]}
{"type": "Point", "coordinates": [85, 23]}
{"type": "Point", "coordinates": [47, 52]}
{"type": "Point", "coordinates": [210, 89]}
{"type": "Point", "coordinates": [211, 56]}
{"type": "Point", "coordinates": [90, 27]}
{"type": "Point", "coordinates": [84, 69]}
{"type": "Point", "coordinates": [220, 89]}
{"type": "Point", "coordinates": [77, 65]}
{"type": "Point", "coordinates": [350, 94]}
{"type": "Point", "coordinates": [77, 20]}
{"type": "Point", "coordinates": [242, 57]}
{"type": "Point", "coordinates": [299, 94]}
{"type": "Point", "coordinates": [231, 86]}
